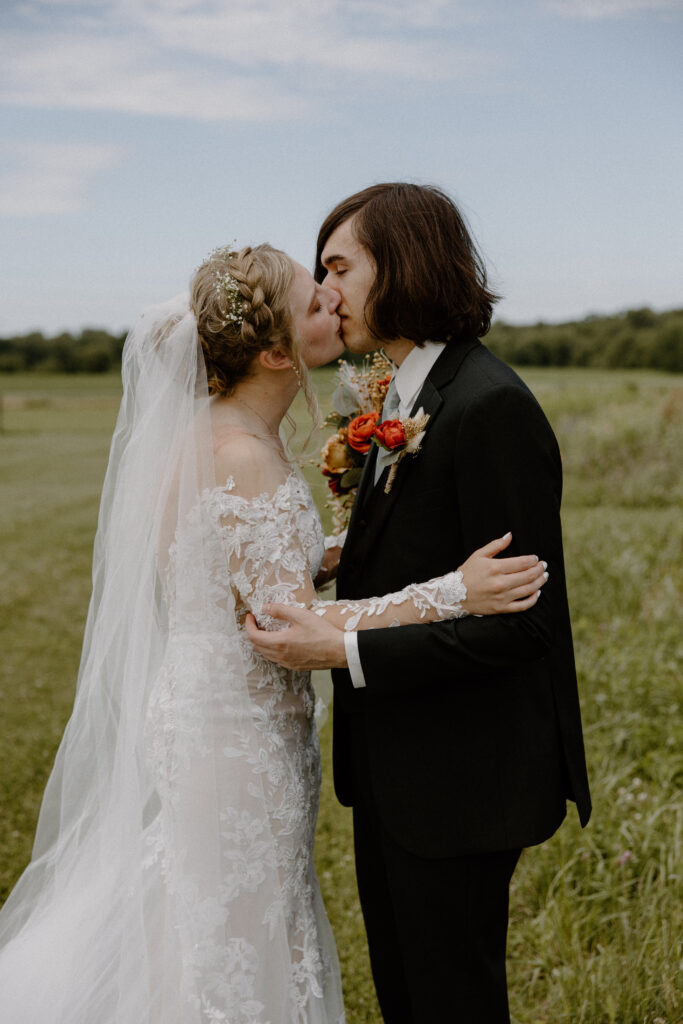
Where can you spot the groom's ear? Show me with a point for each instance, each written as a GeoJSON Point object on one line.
{"type": "Point", "coordinates": [274, 359]}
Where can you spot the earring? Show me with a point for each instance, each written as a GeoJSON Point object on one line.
{"type": "Point", "coordinates": [297, 374]}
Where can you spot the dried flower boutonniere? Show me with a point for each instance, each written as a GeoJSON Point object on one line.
{"type": "Point", "coordinates": [400, 438]}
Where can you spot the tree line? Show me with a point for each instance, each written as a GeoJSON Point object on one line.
{"type": "Point", "coordinates": [639, 338]}
{"type": "Point", "coordinates": [90, 351]}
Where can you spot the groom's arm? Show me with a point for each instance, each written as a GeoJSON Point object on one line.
{"type": "Point", "coordinates": [508, 474]}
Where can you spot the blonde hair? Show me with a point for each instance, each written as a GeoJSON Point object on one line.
{"type": "Point", "coordinates": [241, 301]}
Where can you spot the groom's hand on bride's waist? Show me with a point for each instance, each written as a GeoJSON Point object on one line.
{"type": "Point", "coordinates": [309, 642]}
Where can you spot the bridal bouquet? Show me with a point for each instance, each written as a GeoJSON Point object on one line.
{"type": "Point", "coordinates": [356, 407]}
{"type": "Point", "coordinates": [357, 404]}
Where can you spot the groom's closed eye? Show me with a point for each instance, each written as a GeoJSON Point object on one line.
{"type": "Point", "coordinates": [332, 264]}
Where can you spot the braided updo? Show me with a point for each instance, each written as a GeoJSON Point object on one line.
{"type": "Point", "coordinates": [241, 300]}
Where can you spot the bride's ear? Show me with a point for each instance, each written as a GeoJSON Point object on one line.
{"type": "Point", "coordinates": [274, 359]}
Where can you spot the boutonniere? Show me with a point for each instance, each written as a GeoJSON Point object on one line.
{"type": "Point", "coordinates": [356, 408]}
{"type": "Point", "coordinates": [400, 438]}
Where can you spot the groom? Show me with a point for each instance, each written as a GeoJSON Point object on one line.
{"type": "Point", "coordinates": [457, 743]}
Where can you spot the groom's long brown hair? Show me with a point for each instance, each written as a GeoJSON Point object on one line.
{"type": "Point", "coordinates": [431, 281]}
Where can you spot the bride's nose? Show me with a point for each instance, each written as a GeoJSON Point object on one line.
{"type": "Point", "coordinates": [333, 297]}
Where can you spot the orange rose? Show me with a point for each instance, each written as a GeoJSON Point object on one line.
{"type": "Point", "coordinates": [391, 435]}
{"type": "Point", "coordinates": [361, 430]}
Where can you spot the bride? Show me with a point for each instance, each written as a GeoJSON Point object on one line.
{"type": "Point", "coordinates": [172, 879]}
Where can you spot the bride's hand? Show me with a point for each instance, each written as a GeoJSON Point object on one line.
{"type": "Point", "coordinates": [328, 568]}
{"type": "Point", "coordinates": [499, 585]}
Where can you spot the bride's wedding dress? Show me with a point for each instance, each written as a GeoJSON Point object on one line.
{"type": "Point", "coordinates": [256, 754]}
{"type": "Point", "coordinates": [172, 879]}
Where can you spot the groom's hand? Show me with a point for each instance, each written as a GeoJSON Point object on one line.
{"type": "Point", "coordinates": [309, 642]}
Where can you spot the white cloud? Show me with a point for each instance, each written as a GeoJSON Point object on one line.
{"type": "Point", "coordinates": [109, 74]}
{"type": "Point", "coordinates": [370, 39]}
{"type": "Point", "coordinates": [598, 9]}
{"type": "Point", "coordinates": [50, 178]}
{"type": "Point", "coordinates": [232, 60]}
{"type": "Point", "coordinates": [271, 38]}
{"type": "Point", "coordinates": [425, 13]}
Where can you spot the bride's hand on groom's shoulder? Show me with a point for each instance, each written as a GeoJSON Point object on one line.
{"type": "Point", "coordinates": [500, 585]}
{"type": "Point", "coordinates": [309, 642]}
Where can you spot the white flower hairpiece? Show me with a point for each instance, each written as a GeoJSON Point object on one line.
{"type": "Point", "coordinates": [228, 289]}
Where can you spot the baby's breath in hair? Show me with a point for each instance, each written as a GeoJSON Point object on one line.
{"type": "Point", "coordinates": [230, 298]}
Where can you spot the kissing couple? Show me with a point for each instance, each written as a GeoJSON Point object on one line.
{"type": "Point", "coordinates": [172, 879]}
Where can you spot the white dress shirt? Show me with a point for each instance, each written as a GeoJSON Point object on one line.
{"type": "Point", "coordinates": [409, 378]}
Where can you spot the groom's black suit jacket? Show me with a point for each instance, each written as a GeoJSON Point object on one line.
{"type": "Point", "coordinates": [471, 726]}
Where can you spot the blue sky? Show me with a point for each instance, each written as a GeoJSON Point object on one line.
{"type": "Point", "coordinates": [139, 134]}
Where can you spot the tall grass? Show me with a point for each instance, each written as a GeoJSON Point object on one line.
{"type": "Point", "coordinates": [596, 915]}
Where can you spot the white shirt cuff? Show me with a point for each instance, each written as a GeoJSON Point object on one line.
{"type": "Point", "coordinates": [353, 659]}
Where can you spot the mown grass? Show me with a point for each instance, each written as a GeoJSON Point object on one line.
{"type": "Point", "coordinates": [596, 915]}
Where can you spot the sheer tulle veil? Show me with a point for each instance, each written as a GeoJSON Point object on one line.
{"type": "Point", "coordinates": [116, 920]}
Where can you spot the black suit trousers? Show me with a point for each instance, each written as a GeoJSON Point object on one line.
{"type": "Point", "coordinates": [436, 928]}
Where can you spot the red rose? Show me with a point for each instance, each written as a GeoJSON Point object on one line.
{"type": "Point", "coordinates": [391, 435]}
{"type": "Point", "coordinates": [361, 430]}
{"type": "Point", "coordinates": [334, 483]}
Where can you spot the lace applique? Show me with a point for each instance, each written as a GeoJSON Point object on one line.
{"type": "Point", "coordinates": [441, 598]}
{"type": "Point", "coordinates": [274, 543]}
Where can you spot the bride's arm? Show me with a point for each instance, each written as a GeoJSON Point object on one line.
{"type": "Point", "coordinates": [483, 585]}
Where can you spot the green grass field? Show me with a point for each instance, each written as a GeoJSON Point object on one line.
{"type": "Point", "coordinates": [596, 915]}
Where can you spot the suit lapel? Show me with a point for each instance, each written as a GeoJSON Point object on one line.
{"type": "Point", "coordinates": [448, 364]}
{"type": "Point", "coordinates": [367, 480]}
{"type": "Point", "coordinates": [365, 491]}
{"type": "Point", "coordinates": [372, 506]}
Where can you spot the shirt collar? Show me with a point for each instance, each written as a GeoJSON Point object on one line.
{"type": "Point", "coordinates": [413, 371]}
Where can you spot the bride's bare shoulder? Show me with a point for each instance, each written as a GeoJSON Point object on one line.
{"type": "Point", "coordinates": [253, 463]}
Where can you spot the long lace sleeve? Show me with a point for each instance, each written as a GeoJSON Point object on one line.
{"type": "Point", "coordinates": [438, 598]}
